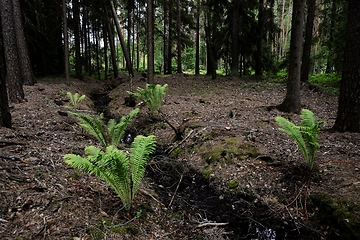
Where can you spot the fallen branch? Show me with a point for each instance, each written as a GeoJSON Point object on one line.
{"type": "Point", "coordinates": [9, 157]}
{"type": "Point", "coordinates": [211, 224]}
{"type": "Point", "coordinates": [177, 187]}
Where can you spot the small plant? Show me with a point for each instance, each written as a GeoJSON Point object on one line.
{"type": "Point", "coordinates": [110, 134]}
{"type": "Point", "coordinates": [123, 172]}
{"type": "Point", "coordinates": [75, 99]}
{"type": "Point", "coordinates": [305, 135]}
{"type": "Point", "coordinates": [152, 95]}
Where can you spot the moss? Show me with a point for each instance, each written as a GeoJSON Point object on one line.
{"type": "Point", "coordinates": [342, 216]}
{"type": "Point", "coordinates": [175, 153]}
{"type": "Point", "coordinates": [227, 149]}
{"type": "Point", "coordinates": [206, 173]}
{"type": "Point", "coordinates": [233, 184]}
{"type": "Point", "coordinates": [98, 231]}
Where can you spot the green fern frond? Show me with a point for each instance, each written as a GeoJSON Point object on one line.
{"type": "Point", "coordinates": [123, 173]}
{"type": "Point", "coordinates": [75, 99]}
{"type": "Point", "coordinates": [94, 126]}
{"type": "Point", "coordinates": [305, 135]}
{"type": "Point", "coordinates": [116, 131]}
{"type": "Point", "coordinates": [294, 132]}
{"type": "Point", "coordinates": [152, 95]}
{"type": "Point", "coordinates": [141, 148]}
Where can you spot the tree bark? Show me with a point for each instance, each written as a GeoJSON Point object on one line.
{"type": "Point", "coordinates": [112, 44]}
{"type": "Point", "coordinates": [179, 47]}
{"type": "Point", "coordinates": [150, 37]}
{"type": "Point", "coordinates": [122, 43]}
{"type": "Point", "coordinates": [305, 66]}
{"type": "Point", "coordinates": [197, 40]}
{"type": "Point", "coordinates": [234, 71]}
{"type": "Point", "coordinates": [66, 43]}
{"type": "Point", "coordinates": [348, 115]}
{"type": "Point", "coordinates": [292, 99]}
{"type": "Point", "coordinates": [5, 116]}
{"type": "Point", "coordinates": [260, 44]}
{"type": "Point", "coordinates": [76, 22]}
{"type": "Point", "coordinates": [25, 64]}
{"type": "Point", "coordinates": [13, 73]}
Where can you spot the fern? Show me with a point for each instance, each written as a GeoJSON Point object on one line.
{"type": "Point", "coordinates": [75, 99]}
{"type": "Point", "coordinates": [152, 95]}
{"type": "Point", "coordinates": [305, 135]}
{"type": "Point", "coordinates": [106, 135]}
{"type": "Point", "coordinates": [122, 172]}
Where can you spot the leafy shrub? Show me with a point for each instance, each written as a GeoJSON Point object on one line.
{"type": "Point", "coordinates": [305, 135]}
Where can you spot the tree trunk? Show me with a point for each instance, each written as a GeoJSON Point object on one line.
{"type": "Point", "coordinates": [66, 43]}
{"type": "Point", "coordinates": [169, 41]}
{"type": "Point", "coordinates": [122, 43]}
{"type": "Point", "coordinates": [197, 40]}
{"type": "Point", "coordinates": [166, 32]}
{"type": "Point", "coordinates": [260, 44]}
{"type": "Point", "coordinates": [106, 57]}
{"type": "Point", "coordinates": [150, 38]}
{"type": "Point", "coordinates": [112, 44]}
{"type": "Point", "coordinates": [292, 99]}
{"type": "Point", "coordinates": [179, 47]}
{"type": "Point", "coordinates": [305, 66]}
{"type": "Point", "coordinates": [348, 115]}
{"type": "Point", "coordinates": [5, 116]}
{"type": "Point", "coordinates": [13, 75]}
{"type": "Point", "coordinates": [76, 22]}
{"type": "Point", "coordinates": [25, 65]}
{"type": "Point", "coordinates": [234, 71]}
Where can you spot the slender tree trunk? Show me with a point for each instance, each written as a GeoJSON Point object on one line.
{"type": "Point", "coordinates": [234, 72]}
{"type": "Point", "coordinates": [150, 37]}
{"type": "Point", "coordinates": [106, 57]}
{"type": "Point", "coordinates": [122, 43]}
{"type": "Point", "coordinates": [292, 99]}
{"type": "Point", "coordinates": [169, 40]}
{"type": "Point", "coordinates": [78, 61]}
{"type": "Point", "coordinates": [197, 40]}
{"type": "Point", "coordinates": [179, 47]}
{"type": "Point", "coordinates": [66, 43]}
{"type": "Point", "coordinates": [5, 116]}
{"type": "Point", "coordinates": [260, 44]}
{"type": "Point", "coordinates": [166, 23]}
{"type": "Point", "coordinates": [13, 72]}
{"type": "Point", "coordinates": [282, 30]}
{"type": "Point", "coordinates": [112, 44]}
{"type": "Point", "coordinates": [348, 115]}
{"type": "Point", "coordinates": [26, 69]}
{"type": "Point", "coordinates": [305, 66]}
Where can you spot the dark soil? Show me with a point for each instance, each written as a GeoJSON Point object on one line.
{"type": "Point", "coordinates": [234, 175]}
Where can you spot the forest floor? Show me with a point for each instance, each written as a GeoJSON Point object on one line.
{"type": "Point", "coordinates": [233, 176]}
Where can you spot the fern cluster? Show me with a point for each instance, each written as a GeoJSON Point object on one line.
{"type": "Point", "coordinates": [110, 134]}
{"type": "Point", "coordinates": [305, 135]}
{"type": "Point", "coordinates": [123, 172]}
{"type": "Point", "coordinates": [152, 95]}
{"type": "Point", "coordinates": [75, 99]}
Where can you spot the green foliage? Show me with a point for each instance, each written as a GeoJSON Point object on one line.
{"type": "Point", "coordinates": [110, 134]}
{"type": "Point", "coordinates": [75, 99]}
{"type": "Point", "coordinates": [152, 95]}
{"type": "Point", "coordinates": [305, 135]}
{"type": "Point", "coordinates": [329, 82]}
{"type": "Point", "coordinates": [121, 171]}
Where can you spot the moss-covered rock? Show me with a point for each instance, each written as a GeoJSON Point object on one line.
{"type": "Point", "coordinates": [342, 217]}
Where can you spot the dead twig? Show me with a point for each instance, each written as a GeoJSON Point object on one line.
{"type": "Point", "coordinates": [177, 187]}
{"type": "Point", "coordinates": [211, 224]}
{"type": "Point", "coordinates": [148, 194]}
